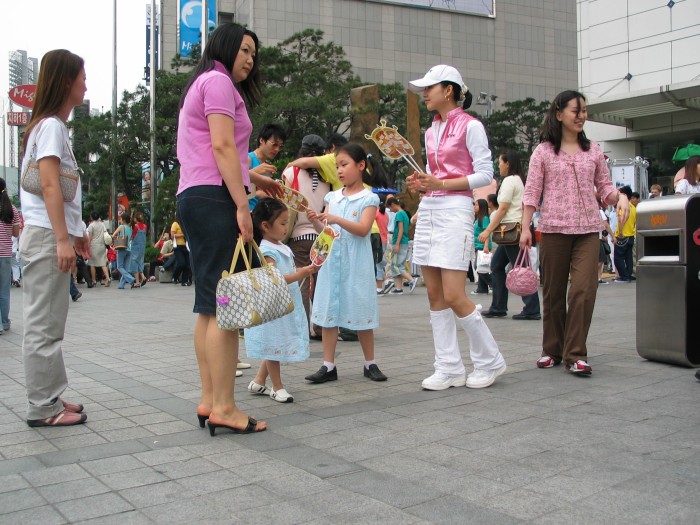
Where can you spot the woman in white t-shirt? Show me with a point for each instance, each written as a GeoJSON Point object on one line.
{"type": "Point", "coordinates": [510, 210]}
{"type": "Point", "coordinates": [690, 183]}
{"type": "Point", "coordinates": [52, 235]}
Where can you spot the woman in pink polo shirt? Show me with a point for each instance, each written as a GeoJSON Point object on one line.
{"type": "Point", "coordinates": [212, 146]}
{"type": "Point", "coordinates": [459, 159]}
{"type": "Point", "coordinates": [566, 171]}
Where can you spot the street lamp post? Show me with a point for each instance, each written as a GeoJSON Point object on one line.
{"type": "Point", "coordinates": [486, 99]}
{"type": "Point", "coordinates": [152, 113]}
{"type": "Point", "coordinates": [114, 114]}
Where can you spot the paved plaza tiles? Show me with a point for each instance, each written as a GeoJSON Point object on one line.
{"type": "Point", "coordinates": [540, 446]}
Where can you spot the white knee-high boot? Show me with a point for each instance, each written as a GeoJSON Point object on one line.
{"type": "Point", "coordinates": [448, 358]}
{"type": "Point", "coordinates": [482, 346]}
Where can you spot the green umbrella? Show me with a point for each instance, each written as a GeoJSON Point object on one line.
{"type": "Point", "coordinates": [684, 153]}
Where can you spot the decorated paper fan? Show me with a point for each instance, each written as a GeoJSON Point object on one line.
{"type": "Point", "coordinates": [393, 144]}
{"type": "Point", "coordinates": [294, 200]}
{"type": "Point", "coordinates": [321, 248]}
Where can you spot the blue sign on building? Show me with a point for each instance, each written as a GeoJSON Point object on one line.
{"type": "Point", "coordinates": [191, 23]}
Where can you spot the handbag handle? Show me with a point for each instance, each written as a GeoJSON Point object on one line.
{"type": "Point", "coordinates": [523, 259]}
{"type": "Point", "coordinates": [240, 251]}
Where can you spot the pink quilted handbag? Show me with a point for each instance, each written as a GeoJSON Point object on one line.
{"type": "Point", "coordinates": [522, 280]}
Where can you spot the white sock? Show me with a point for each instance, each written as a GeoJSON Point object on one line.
{"type": "Point", "coordinates": [482, 346]}
{"type": "Point", "coordinates": [372, 362]}
{"type": "Point", "coordinates": [448, 358]}
{"type": "Point", "coordinates": [329, 366]}
{"type": "Point", "coordinates": [379, 289]}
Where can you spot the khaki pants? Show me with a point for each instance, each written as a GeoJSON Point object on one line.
{"type": "Point", "coordinates": [45, 295]}
{"type": "Point", "coordinates": [565, 330]}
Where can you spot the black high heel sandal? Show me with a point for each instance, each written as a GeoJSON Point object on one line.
{"type": "Point", "coordinates": [202, 420]}
{"type": "Point", "coordinates": [249, 429]}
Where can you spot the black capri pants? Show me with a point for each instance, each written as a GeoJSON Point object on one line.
{"type": "Point", "coordinates": [208, 219]}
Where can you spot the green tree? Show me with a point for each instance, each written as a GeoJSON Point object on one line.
{"type": "Point", "coordinates": [307, 87]}
{"type": "Point", "coordinates": [516, 126]}
{"type": "Point", "coordinates": [131, 149]}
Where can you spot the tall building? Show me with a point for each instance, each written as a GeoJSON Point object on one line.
{"type": "Point", "coordinates": [23, 70]}
{"type": "Point", "coordinates": [639, 66]}
{"type": "Point", "coordinates": [508, 49]}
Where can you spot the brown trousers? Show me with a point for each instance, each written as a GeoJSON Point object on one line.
{"type": "Point", "coordinates": [565, 330]}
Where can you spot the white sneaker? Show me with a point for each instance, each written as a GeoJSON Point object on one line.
{"type": "Point", "coordinates": [281, 395]}
{"type": "Point", "coordinates": [239, 373]}
{"type": "Point", "coordinates": [255, 388]}
{"type": "Point", "coordinates": [440, 381]}
{"type": "Point", "coordinates": [481, 378]}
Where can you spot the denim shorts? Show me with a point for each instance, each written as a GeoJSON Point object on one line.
{"type": "Point", "coordinates": [208, 219]}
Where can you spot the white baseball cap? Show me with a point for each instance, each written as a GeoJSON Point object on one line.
{"type": "Point", "coordinates": [435, 75]}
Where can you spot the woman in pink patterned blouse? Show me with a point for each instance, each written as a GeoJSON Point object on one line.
{"type": "Point", "coordinates": [566, 170]}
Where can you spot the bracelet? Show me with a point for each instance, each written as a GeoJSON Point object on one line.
{"type": "Point", "coordinates": [443, 184]}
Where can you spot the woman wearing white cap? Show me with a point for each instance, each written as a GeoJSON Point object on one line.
{"type": "Point", "coordinates": [459, 160]}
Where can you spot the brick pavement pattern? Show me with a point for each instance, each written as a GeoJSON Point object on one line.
{"type": "Point", "coordinates": [540, 446]}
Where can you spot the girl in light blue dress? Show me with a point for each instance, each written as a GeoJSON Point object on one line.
{"type": "Point", "coordinates": [345, 294]}
{"type": "Point", "coordinates": [287, 338]}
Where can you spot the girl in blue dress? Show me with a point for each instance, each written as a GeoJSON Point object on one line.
{"type": "Point", "coordinates": [287, 338]}
{"type": "Point", "coordinates": [345, 294]}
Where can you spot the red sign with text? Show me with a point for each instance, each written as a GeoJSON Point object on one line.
{"type": "Point", "coordinates": [23, 95]}
{"type": "Point", "coordinates": [18, 118]}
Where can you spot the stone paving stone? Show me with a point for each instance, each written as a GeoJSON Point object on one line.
{"type": "Point", "coordinates": [131, 517]}
{"type": "Point", "coordinates": [166, 455]}
{"type": "Point", "coordinates": [185, 468]}
{"type": "Point", "coordinates": [132, 478]}
{"type": "Point", "coordinates": [237, 458]}
{"type": "Point", "coordinates": [451, 509]}
{"type": "Point", "coordinates": [27, 449]}
{"type": "Point", "coordinates": [212, 482]}
{"type": "Point", "coordinates": [396, 492]}
{"type": "Point", "coordinates": [12, 482]}
{"type": "Point", "coordinates": [111, 465]}
{"type": "Point", "coordinates": [93, 452]}
{"type": "Point", "coordinates": [229, 506]}
{"type": "Point", "coordinates": [49, 476]}
{"type": "Point", "coordinates": [69, 490]}
{"type": "Point", "coordinates": [20, 500]}
{"type": "Point", "coordinates": [93, 507]}
{"type": "Point", "coordinates": [170, 427]}
{"type": "Point", "coordinates": [314, 461]}
{"type": "Point", "coordinates": [125, 434]}
{"type": "Point", "coordinates": [45, 515]}
{"type": "Point", "coordinates": [155, 494]}
{"type": "Point", "coordinates": [78, 441]}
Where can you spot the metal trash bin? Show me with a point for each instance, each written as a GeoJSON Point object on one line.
{"type": "Point", "coordinates": [668, 280]}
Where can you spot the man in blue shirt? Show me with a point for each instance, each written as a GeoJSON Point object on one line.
{"type": "Point", "coordinates": [270, 142]}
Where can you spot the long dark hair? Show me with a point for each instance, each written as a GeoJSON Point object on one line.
{"type": "Point", "coordinates": [59, 69]}
{"type": "Point", "coordinates": [691, 169]}
{"type": "Point", "coordinates": [458, 93]}
{"type": "Point", "coordinates": [374, 174]}
{"type": "Point", "coordinates": [483, 212]}
{"type": "Point", "coordinates": [515, 167]}
{"type": "Point", "coordinates": [551, 127]}
{"type": "Point", "coordinates": [223, 46]}
{"type": "Point", "coordinates": [266, 210]}
{"type": "Point", "coordinates": [6, 212]}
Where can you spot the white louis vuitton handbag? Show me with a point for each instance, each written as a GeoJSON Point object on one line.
{"type": "Point", "coordinates": [253, 296]}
